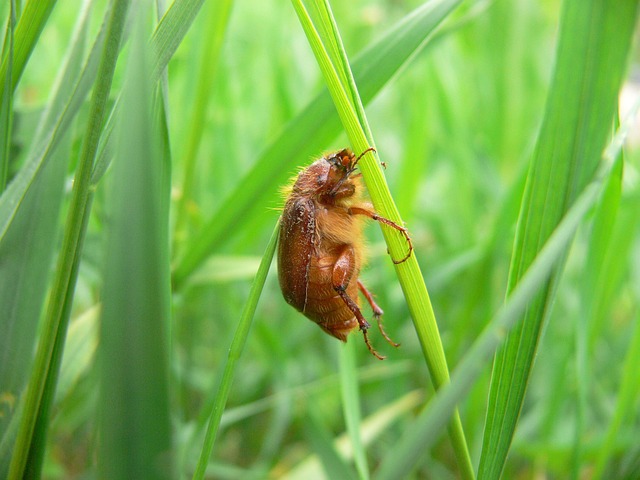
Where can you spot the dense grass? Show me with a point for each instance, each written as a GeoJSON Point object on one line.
{"type": "Point", "coordinates": [137, 206]}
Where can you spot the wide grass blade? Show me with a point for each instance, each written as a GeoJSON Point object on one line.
{"type": "Point", "coordinates": [49, 352]}
{"type": "Point", "coordinates": [235, 350]}
{"type": "Point", "coordinates": [135, 440]}
{"type": "Point", "coordinates": [592, 51]}
{"type": "Point", "coordinates": [309, 132]}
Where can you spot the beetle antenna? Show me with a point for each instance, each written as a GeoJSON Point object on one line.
{"type": "Point", "coordinates": [370, 149]}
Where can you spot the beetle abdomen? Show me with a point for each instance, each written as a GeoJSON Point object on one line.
{"type": "Point", "coordinates": [324, 306]}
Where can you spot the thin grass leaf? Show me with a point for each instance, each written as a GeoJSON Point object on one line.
{"type": "Point", "coordinates": [136, 306]}
{"type": "Point", "coordinates": [49, 353]}
{"type": "Point", "coordinates": [373, 68]}
{"type": "Point", "coordinates": [6, 99]}
{"type": "Point", "coordinates": [28, 30]}
{"type": "Point", "coordinates": [408, 271]}
{"type": "Point", "coordinates": [235, 350]}
{"type": "Point", "coordinates": [591, 57]}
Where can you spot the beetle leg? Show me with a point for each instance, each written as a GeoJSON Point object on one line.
{"type": "Point", "coordinates": [341, 275]}
{"type": "Point", "coordinates": [377, 312]}
{"type": "Point", "coordinates": [374, 216]}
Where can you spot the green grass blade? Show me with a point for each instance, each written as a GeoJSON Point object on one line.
{"type": "Point", "coordinates": [49, 353]}
{"type": "Point", "coordinates": [26, 254]}
{"type": "Point", "coordinates": [591, 58]}
{"type": "Point", "coordinates": [133, 355]}
{"type": "Point", "coordinates": [33, 19]}
{"type": "Point", "coordinates": [55, 124]}
{"type": "Point", "coordinates": [235, 350]}
{"type": "Point", "coordinates": [6, 99]}
{"type": "Point", "coordinates": [173, 26]}
{"type": "Point", "coordinates": [27, 251]}
{"type": "Point", "coordinates": [167, 36]}
{"type": "Point", "coordinates": [309, 132]}
{"type": "Point", "coordinates": [408, 271]}
{"type": "Point", "coordinates": [426, 430]}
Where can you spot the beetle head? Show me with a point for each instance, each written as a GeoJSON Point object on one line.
{"type": "Point", "coordinates": [327, 176]}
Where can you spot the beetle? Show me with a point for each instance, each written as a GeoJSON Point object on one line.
{"type": "Point", "coordinates": [321, 248]}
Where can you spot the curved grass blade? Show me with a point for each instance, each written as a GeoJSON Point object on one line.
{"type": "Point", "coordinates": [591, 58]}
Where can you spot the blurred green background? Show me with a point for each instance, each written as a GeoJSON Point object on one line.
{"type": "Point", "coordinates": [456, 127]}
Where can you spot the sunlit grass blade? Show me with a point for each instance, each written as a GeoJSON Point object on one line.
{"type": "Point", "coordinates": [408, 271]}
{"type": "Point", "coordinates": [133, 354]}
{"type": "Point", "coordinates": [235, 350]}
{"type": "Point", "coordinates": [49, 352]}
{"type": "Point", "coordinates": [591, 58]}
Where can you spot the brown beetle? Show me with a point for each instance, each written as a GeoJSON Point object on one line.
{"type": "Point", "coordinates": [320, 249]}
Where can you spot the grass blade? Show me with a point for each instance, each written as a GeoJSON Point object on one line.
{"type": "Point", "coordinates": [6, 99]}
{"type": "Point", "coordinates": [133, 355]}
{"type": "Point", "coordinates": [591, 56]}
{"type": "Point", "coordinates": [167, 36]}
{"type": "Point", "coordinates": [408, 271]}
{"type": "Point", "coordinates": [49, 351]}
{"type": "Point", "coordinates": [235, 350]}
{"type": "Point", "coordinates": [28, 30]}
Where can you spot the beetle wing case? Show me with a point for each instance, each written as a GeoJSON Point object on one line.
{"type": "Point", "coordinates": [296, 245]}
